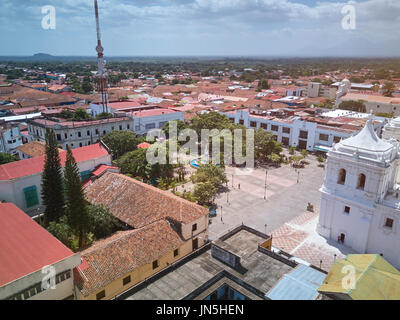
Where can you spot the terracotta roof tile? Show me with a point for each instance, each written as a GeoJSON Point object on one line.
{"type": "Point", "coordinates": [139, 204]}
{"type": "Point", "coordinates": [116, 256]}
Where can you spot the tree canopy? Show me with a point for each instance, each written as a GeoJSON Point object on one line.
{"type": "Point", "coordinates": [121, 142]}
{"type": "Point", "coordinates": [52, 180]}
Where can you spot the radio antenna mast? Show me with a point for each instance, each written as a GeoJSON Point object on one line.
{"type": "Point", "coordinates": [102, 71]}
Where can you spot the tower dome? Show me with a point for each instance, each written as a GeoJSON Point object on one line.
{"type": "Point", "coordinates": [366, 145]}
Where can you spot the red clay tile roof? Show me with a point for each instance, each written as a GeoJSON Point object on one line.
{"type": "Point", "coordinates": [25, 246]}
{"type": "Point", "coordinates": [139, 204]}
{"type": "Point", "coordinates": [112, 258]}
{"type": "Point", "coordinates": [35, 165]}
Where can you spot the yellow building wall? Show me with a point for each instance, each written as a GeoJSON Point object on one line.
{"type": "Point", "coordinates": [146, 271]}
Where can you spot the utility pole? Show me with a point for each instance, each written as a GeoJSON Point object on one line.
{"type": "Point", "coordinates": [265, 190]}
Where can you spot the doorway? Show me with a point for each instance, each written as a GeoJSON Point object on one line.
{"type": "Point", "coordinates": [195, 244]}
{"type": "Point", "coordinates": [341, 238]}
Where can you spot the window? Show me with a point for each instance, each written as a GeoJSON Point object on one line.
{"type": "Point", "coordinates": [176, 252]}
{"type": "Point", "coordinates": [194, 227]}
{"type": "Point", "coordinates": [342, 176]}
{"type": "Point", "coordinates": [155, 264]}
{"type": "Point", "coordinates": [303, 134]}
{"type": "Point", "coordinates": [120, 127]}
{"type": "Point", "coordinates": [285, 130]}
{"type": "Point", "coordinates": [97, 131]}
{"type": "Point", "coordinates": [347, 210]}
{"type": "Point", "coordinates": [128, 126]}
{"type": "Point", "coordinates": [253, 124]}
{"type": "Point", "coordinates": [150, 126]}
{"type": "Point", "coordinates": [101, 295]}
{"type": "Point", "coordinates": [58, 137]}
{"type": "Point", "coordinates": [65, 136]}
{"type": "Point", "coordinates": [361, 181]}
{"type": "Point", "coordinates": [88, 133]}
{"type": "Point", "coordinates": [79, 134]}
{"type": "Point", "coordinates": [264, 126]}
{"type": "Point", "coordinates": [126, 280]}
{"type": "Point", "coordinates": [389, 223]}
{"type": "Point", "coordinates": [241, 122]}
{"type": "Point", "coordinates": [274, 128]}
{"type": "Point", "coordinates": [31, 196]}
{"type": "Point", "coordinates": [323, 137]}
{"type": "Point", "coordinates": [336, 139]}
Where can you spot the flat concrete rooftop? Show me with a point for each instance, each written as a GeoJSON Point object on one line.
{"type": "Point", "coordinates": [263, 271]}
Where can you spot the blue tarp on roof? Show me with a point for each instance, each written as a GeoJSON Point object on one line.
{"type": "Point", "coordinates": [300, 284]}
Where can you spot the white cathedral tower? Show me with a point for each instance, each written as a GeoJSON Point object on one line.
{"type": "Point", "coordinates": [360, 205]}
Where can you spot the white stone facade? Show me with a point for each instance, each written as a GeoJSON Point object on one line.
{"type": "Point", "coordinates": [360, 196]}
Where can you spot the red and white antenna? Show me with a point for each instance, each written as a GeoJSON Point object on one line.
{"type": "Point", "coordinates": [102, 71]}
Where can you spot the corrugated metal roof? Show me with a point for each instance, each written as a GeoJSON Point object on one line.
{"type": "Point", "coordinates": [375, 278]}
{"type": "Point", "coordinates": [300, 284]}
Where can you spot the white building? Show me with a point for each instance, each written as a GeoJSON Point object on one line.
{"type": "Point", "coordinates": [77, 134]}
{"type": "Point", "coordinates": [10, 139]}
{"type": "Point", "coordinates": [20, 181]}
{"type": "Point", "coordinates": [34, 265]}
{"type": "Point", "coordinates": [144, 117]}
{"type": "Point", "coordinates": [360, 196]}
{"type": "Point", "coordinates": [292, 131]}
{"type": "Point", "coordinates": [315, 90]}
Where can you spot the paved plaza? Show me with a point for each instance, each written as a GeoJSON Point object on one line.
{"type": "Point", "coordinates": [299, 238]}
{"type": "Point", "coordinates": [288, 193]}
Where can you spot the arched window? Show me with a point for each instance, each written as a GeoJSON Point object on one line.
{"type": "Point", "coordinates": [361, 181]}
{"type": "Point", "coordinates": [342, 176]}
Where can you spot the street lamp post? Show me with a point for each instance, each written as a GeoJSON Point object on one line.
{"type": "Point", "coordinates": [265, 190]}
{"type": "Point", "coordinates": [221, 215]}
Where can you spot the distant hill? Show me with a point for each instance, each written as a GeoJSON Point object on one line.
{"type": "Point", "coordinates": [43, 57]}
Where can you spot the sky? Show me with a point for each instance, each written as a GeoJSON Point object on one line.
{"type": "Point", "coordinates": [202, 28]}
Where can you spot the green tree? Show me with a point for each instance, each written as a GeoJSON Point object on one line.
{"type": "Point", "coordinates": [275, 158]}
{"type": "Point", "coordinates": [265, 145]}
{"type": "Point", "coordinates": [263, 84]}
{"type": "Point", "coordinates": [210, 173]}
{"type": "Point", "coordinates": [102, 222]}
{"type": "Point", "coordinates": [104, 115]}
{"type": "Point", "coordinates": [179, 124]}
{"type": "Point", "coordinates": [135, 164]}
{"type": "Point", "coordinates": [63, 232]}
{"type": "Point", "coordinates": [204, 192]}
{"type": "Point", "coordinates": [211, 120]}
{"type": "Point", "coordinates": [52, 181]}
{"type": "Point", "coordinates": [77, 207]}
{"type": "Point", "coordinates": [388, 89]}
{"type": "Point", "coordinates": [86, 85]}
{"type": "Point", "coordinates": [357, 106]}
{"type": "Point", "coordinates": [7, 158]}
{"type": "Point", "coordinates": [121, 142]}
{"type": "Point", "coordinates": [81, 114]}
